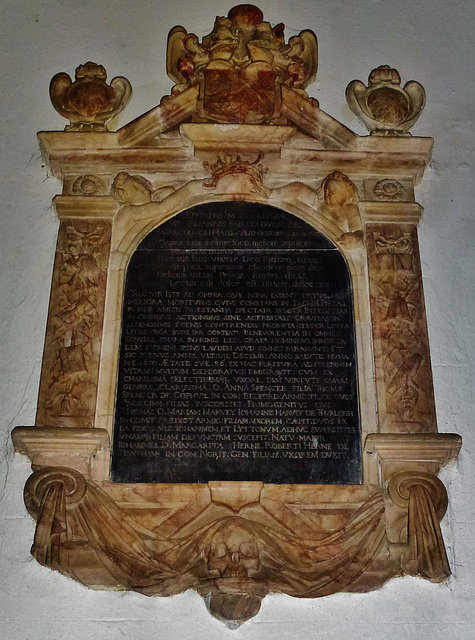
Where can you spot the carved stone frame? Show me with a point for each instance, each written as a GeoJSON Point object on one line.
{"type": "Point", "coordinates": [304, 540]}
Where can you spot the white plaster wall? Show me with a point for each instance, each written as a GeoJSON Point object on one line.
{"type": "Point", "coordinates": [431, 41]}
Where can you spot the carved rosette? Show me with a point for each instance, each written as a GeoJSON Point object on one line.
{"type": "Point", "coordinates": [389, 190]}
{"type": "Point", "coordinates": [88, 185]}
{"type": "Point", "coordinates": [386, 108]}
{"type": "Point", "coordinates": [89, 102]}
{"type": "Point", "coordinates": [68, 386]}
{"type": "Point", "coordinates": [240, 66]}
{"type": "Point", "coordinates": [403, 372]}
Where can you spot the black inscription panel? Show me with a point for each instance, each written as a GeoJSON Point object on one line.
{"type": "Point", "coordinates": [237, 357]}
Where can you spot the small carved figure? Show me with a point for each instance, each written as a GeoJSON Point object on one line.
{"type": "Point", "coordinates": [340, 198]}
{"type": "Point", "coordinates": [384, 106]}
{"type": "Point", "coordinates": [89, 102]}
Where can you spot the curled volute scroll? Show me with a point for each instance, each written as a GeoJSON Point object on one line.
{"type": "Point", "coordinates": [386, 108]}
{"type": "Point", "coordinates": [89, 102]}
{"type": "Point", "coordinates": [240, 66]}
{"type": "Point", "coordinates": [424, 497]}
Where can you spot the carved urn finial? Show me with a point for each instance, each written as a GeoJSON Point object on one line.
{"type": "Point", "coordinates": [240, 66]}
{"type": "Point", "coordinates": [384, 106]}
{"type": "Point", "coordinates": [89, 102]}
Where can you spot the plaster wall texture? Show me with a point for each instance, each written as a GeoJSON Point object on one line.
{"type": "Point", "coordinates": [430, 41]}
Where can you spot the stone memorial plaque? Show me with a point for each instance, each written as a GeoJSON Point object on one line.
{"type": "Point", "coordinates": [237, 357]}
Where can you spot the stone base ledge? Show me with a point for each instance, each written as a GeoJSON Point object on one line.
{"type": "Point", "coordinates": [429, 452]}
{"type": "Point", "coordinates": [61, 446]}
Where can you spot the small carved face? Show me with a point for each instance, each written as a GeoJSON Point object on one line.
{"type": "Point", "coordinates": [233, 553]}
{"type": "Point", "coordinates": [336, 194]}
{"type": "Point", "coordinates": [129, 189]}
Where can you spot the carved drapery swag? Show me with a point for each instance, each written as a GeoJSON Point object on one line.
{"type": "Point", "coordinates": [63, 502]}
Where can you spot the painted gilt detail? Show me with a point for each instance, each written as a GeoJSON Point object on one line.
{"type": "Point", "coordinates": [72, 347]}
{"type": "Point", "coordinates": [401, 351]}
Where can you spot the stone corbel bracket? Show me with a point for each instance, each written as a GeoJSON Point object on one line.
{"type": "Point", "coordinates": [406, 466]}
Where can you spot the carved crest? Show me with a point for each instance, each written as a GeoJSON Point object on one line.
{"type": "Point", "coordinates": [240, 66]}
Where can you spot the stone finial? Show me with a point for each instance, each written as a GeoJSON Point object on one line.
{"type": "Point", "coordinates": [240, 66]}
{"type": "Point", "coordinates": [89, 102]}
{"type": "Point", "coordinates": [384, 106]}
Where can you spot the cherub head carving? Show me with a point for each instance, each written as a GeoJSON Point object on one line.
{"type": "Point", "coordinates": [338, 190]}
{"type": "Point", "coordinates": [131, 190]}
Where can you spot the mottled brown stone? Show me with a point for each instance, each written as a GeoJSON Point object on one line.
{"type": "Point", "coordinates": [401, 348]}
{"type": "Point", "coordinates": [68, 386]}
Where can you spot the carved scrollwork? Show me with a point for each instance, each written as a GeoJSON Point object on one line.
{"type": "Point", "coordinates": [89, 102]}
{"type": "Point", "coordinates": [400, 486]}
{"type": "Point", "coordinates": [425, 498]}
{"type": "Point", "coordinates": [384, 106]}
{"type": "Point", "coordinates": [40, 483]}
{"type": "Point", "coordinates": [241, 65]}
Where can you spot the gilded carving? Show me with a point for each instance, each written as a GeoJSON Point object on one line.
{"type": "Point", "coordinates": [240, 66]}
{"type": "Point", "coordinates": [228, 166]}
{"type": "Point", "coordinates": [386, 108]}
{"type": "Point", "coordinates": [404, 382]}
{"type": "Point", "coordinates": [88, 185]}
{"type": "Point", "coordinates": [339, 198]}
{"type": "Point", "coordinates": [70, 367]}
{"type": "Point", "coordinates": [89, 102]}
{"type": "Point", "coordinates": [390, 190]}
